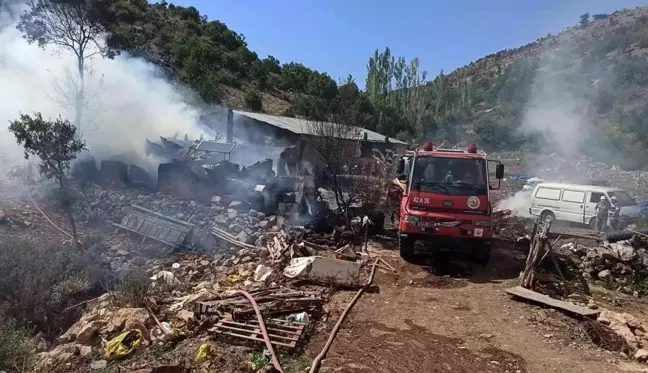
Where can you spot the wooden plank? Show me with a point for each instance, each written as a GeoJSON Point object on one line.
{"type": "Point", "coordinates": [533, 296]}
{"type": "Point", "coordinates": [224, 325]}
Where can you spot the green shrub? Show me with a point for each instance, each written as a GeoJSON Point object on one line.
{"type": "Point", "coordinates": [254, 100]}
{"type": "Point", "coordinates": [39, 281]}
{"type": "Point", "coordinates": [15, 347]}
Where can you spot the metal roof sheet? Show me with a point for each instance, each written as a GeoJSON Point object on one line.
{"type": "Point", "coordinates": [212, 146]}
{"type": "Point", "coordinates": [304, 126]}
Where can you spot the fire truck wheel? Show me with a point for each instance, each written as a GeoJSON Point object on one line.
{"type": "Point", "coordinates": [482, 253]}
{"type": "Point", "coordinates": [406, 246]}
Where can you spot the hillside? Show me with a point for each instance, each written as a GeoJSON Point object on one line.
{"type": "Point", "coordinates": [580, 92]}
{"type": "Point", "coordinates": [584, 89]}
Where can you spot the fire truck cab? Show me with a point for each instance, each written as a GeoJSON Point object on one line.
{"type": "Point", "coordinates": [445, 199]}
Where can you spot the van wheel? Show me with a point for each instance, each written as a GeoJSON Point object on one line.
{"type": "Point", "coordinates": [406, 246]}
{"type": "Point", "coordinates": [547, 216]}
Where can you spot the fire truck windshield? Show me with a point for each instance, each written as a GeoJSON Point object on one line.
{"type": "Point", "coordinates": [450, 176]}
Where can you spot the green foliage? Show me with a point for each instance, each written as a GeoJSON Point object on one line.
{"type": "Point", "coordinates": [40, 280]}
{"type": "Point", "coordinates": [260, 359]}
{"type": "Point", "coordinates": [15, 348]}
{"type": "Point", "coordinates": [54, 142]}
{"type": "Point", "coordinates": [254, 100]}
{"type": "Point", "coordinates": [133, 289]}
{"type": "Point", "coordinates": [584, 19]}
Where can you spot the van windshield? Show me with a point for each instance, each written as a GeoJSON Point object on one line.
{"type": "Point", "coordinates": [623, 199]}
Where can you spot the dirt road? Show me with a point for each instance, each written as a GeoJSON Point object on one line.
{"type": "Point", "coordinates": [458, 320]}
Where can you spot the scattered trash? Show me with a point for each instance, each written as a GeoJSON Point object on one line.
{"type": "Point", "coordinates": [205, 353]}
{"type": "Point", "coordinates": [123, 345]}
{"type": "Point", "coordinates": [98, 364]}
{"type": "Point", "coordinates": [302, 318]}
{"type": "Point", "coordinates": [262, 273]}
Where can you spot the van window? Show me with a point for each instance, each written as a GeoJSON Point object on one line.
{"type": "Point", "coordinates": [546, 193]}
{"type": "Point", "coordinates": [595, 197]}
{"type": "Point", "coordinates": [573, 196]}
{"type": "Point", "coordinates": [623, 199]}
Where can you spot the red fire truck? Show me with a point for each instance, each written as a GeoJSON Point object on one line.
{"type": "Point", "coordinates": [445, 199]}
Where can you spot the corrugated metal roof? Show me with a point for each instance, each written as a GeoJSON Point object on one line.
{"type": "Point", "coordinates": [212, 146]}
{"type": "Point", "coordinates": [304, 127]}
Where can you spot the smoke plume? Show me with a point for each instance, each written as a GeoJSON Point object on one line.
{"type": "Point", "coordinates": [128, 99]}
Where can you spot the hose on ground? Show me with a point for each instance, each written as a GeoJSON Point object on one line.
{"type": "Point", "coordinates": [625, 234]}
{"type": "Point", "coordinates": [41, 211]}
{"type": "Point", "coordinates": [264, 331]}
{"type": "Point", "coordinates": [317, 362]}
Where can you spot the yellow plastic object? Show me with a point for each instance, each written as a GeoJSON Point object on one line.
{"type": "Point", "coordinates": [234, 279]}
{"type": "Point", "coordinates": [124, 344]}
{"type": "Point", "coordinates": [205, 352]}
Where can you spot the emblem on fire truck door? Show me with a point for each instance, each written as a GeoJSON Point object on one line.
{"type": "Point", "coordinates": [473, 202]}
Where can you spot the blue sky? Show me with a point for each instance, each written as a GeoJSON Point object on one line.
{"type": "Point", "coordinates": [339, 36]}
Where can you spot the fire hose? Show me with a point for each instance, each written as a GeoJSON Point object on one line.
{"type": "Point", "coordinates": [317, 362]}
{"type": "Point", "coordinates": [264, 331]}
{"type": "Point", "coordinates": [41, 211]}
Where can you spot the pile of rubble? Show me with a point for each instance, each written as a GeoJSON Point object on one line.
{"type": "Point", "coordinates": [199, 297]}
{"type": "Point", "coordinates": [614, 264]}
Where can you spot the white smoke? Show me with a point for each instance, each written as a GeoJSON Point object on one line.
{"type": "Point", "coordinates": [128, 98]}
{"type": "Point", "coordinates": [519, 204]}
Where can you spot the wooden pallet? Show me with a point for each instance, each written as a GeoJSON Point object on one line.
{"type": "Point", "coordinates": [281, 332]}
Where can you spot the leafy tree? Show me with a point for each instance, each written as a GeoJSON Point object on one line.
{"type": "Point", "coordinates": [56, 144]}
{"type": "Point", "coordinates": [584, 19]}
{"type": "Point", "coordinates": [598, 17]}
{"type": "Point", "coordinates": [393, 85]}
{"type": "Point", "coordinates": [254, 100]}
{"type": "Point", "coordinates": [73, 26]}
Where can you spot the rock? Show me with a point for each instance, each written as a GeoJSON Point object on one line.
{"type": "Point", "coordinates": [98, 364]}
{"type": "Point", "coordinates": [253, 213]}
{"type": "Point", "coordinates": [577, 298]}
{"type": "Point", "coordinates": [244, 252]}
{"type": "Point", "coordinates": [632, 322]}
{"type": "Point", "coordinates": [246, 259]}
{"type": "Point", "coordinates": [605, 275]}
{"type": "Point", "coordinates": [603, 320]}
{"type": "Point", "coordinates": [204, 263]}
{"type": "Point", "coordinates": [87, 333]}
{"type": "Point", "coordinates": [486, 336]}
{"type": "Point", "coordinates": [621, 252]}
{"type": "Point", "coordinates": [221, 220]}
{"type": "Point", "coordinates": [231, 214]}
{"type": "Point", "coordinates": [253, 220]}
{"type": "Point", "coordinates": [263, 224]}
{"type": "Point", "coordinates": [185, 315]}
{"type": "Point", "coordinates": [244, 272]}
{"type": "Point", "coordinates": [641, 355]}
{"type": "Point", "coordinates": [129, 316]}
{"type": "Point", "coordinates": [234, 204]}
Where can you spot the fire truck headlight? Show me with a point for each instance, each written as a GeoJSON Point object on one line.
{"type": "Point", "coordinates": [412, 219]}
{"type": "Point", "coordinates": [482, 223]}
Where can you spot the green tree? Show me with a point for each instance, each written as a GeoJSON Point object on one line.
{"type": "Point", "coordinates": [56, 144]}
{"type": "Point", "coordinates": [584, 19]}
{"type": "Point", "coordinates": [395, 86]}
{"type": "Point", "coordinates": [73, 26]}
{"type": "Point", "coordinates": [254, 100]}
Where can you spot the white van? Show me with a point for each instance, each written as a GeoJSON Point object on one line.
{"type": "Point", "coordinates": [577, 203]}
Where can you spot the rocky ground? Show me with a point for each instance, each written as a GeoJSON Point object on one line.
{"type": "Point", "coordinates": [439, 313]}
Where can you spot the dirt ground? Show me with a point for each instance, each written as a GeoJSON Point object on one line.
{"type": "Point", "coordinates": [449, 316]}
